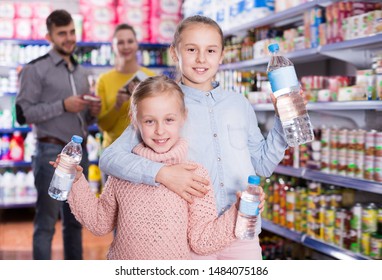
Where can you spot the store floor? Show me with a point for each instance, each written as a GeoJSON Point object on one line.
{"type": "Point", "coordinates": [16, 230]}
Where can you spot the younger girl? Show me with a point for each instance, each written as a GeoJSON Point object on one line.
{"type": "Point", "coordinates": [222, 132]}
{"type": "Point", "coordinates": [154, 223]}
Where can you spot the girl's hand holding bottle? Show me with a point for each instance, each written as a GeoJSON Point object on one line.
{"type": "Point", "coordinates": [78, 168]}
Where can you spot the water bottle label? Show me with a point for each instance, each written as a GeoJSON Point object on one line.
{"type": "Point", "coordinates": [249, 208]}
{"type": "Point", "coordinates": [284, 77]}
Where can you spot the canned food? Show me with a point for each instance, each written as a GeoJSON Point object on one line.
{"type": "Point", "coordinates": [330, 217]}
{"type": "Point", "coordinates": [290, 219]}
{"type": "Point", "coordinates": [342, 139]}
{"type": "Point", "coordinates": [340, 219]}
{"type": "Point", "coordinates": [338, 237]}
{"type": "Point", "coordinates": [378, 169]}
{"type": "Point", "coordinates": [291, 199]}
{"type": "Point", "coordinates": [334, 139]}
{"type": "Point", "coordinates": [325, 137]}
{"type": "Point", "coordinates": [356, 222]}
{"type": "Point", "coordinates": [369, 218]}
{"type": "Point", "coordinates": [329, 234]}
{"type": "Point", "coordinates": [369, 168]}
{"type": "Point", "coordinates": [370, 143]}
{"type": "Point", "coordinates": [376, 246]}
{"type": "Point", "coordinates": [365, 243]}
{"type": "Point", "coordinates": [360, 140]}
{"type": "Point", "coordinates": [378, 144]}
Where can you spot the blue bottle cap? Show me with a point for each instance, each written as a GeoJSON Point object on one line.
{"type": "Point", "coordinates": [254, 180]}
{"type": "Point", "coordinates": [273, 47]}
{"type": "Point", "coordinates": [77, 139]}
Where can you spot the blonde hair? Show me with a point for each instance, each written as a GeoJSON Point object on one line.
{"type": "Point", "coordinates": [154, 86]}
{"type": "Point", "coordinates": [197, 19]}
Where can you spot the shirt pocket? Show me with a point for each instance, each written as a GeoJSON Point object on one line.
{"type": "Point", "coordinates": [237, 136]}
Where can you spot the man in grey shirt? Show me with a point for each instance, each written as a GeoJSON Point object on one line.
{"type": "Point", "coordinates": [51, 98]}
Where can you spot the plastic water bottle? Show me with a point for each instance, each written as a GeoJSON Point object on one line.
{"type": "Point", "coordinates": [290, 104]}
{"type": "Point", "coordinates": [248, 210]}
{"type": "Point", "coordinates": [65, 172]}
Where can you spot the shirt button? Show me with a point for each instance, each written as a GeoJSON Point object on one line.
{"type": "Point", "coordinates": [219, 159]}
{"type": "Point", "coordinates": [207, 94]}
{"type": "Point", "coordinates": [210, 110]}
{"type": "Point", "coordinates": [221, 184]}
{"type": "Point", "coordinates": [223, 209]}
{"type": "Point", "coordinates": [215, 135]}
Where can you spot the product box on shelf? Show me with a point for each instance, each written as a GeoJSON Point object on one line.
{"type": "Point", "coordinates": [23, 28]}
{"type": "Point", "coordinates": [100, 3]}
{"type": "Point", "coordinates": [101, 14]}
{"type": "Point", "coordinates": [41, 9]}
{"type": "Point", "coordinates": [132, 3]}
{"type": "Point", "coordinates": [165, 7]}
{"type": "Point", "coordinates": [7, 10]}
{"type": "Point", "coordinates": [134, 16]}
{"type": "Point", "coordinates": [98, 31]}
{"type": "Point", "coordinates": [163, 28]}
{"type": "Point", "coordinates": [7, 28]}
{"type": "Point", "coordinates": [23, 10]}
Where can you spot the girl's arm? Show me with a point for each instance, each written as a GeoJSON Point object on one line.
{"type": "Point", "coordinates": [208, 233]}
{"type": "Point", "coordinates": [99, 215]}
{"type": "Point", "coordinates": [119, 161]}
{"type": "Point", "coordinates": [267, 153]}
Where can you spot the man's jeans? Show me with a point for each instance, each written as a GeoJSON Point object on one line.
{"type": "Point", "coordinates": [48, 209]}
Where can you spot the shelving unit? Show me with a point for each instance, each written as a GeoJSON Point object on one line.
{"type": "Point", "coordinates": [318, 245]}
{"type": "Point", "coordinates": [330, 106]}
{"type": "Point", "coordinates": [327, 178]}
{"type": "Point", "coordinates": [356, 52]}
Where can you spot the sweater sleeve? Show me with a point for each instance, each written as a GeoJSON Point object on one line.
{"type": "Point", "coordinates": [98, 215]}
{"type": "Point", "coordinates": [208, 233]}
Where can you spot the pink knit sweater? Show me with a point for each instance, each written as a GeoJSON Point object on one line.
{"type": "Point", "coordinates": [153, 222]}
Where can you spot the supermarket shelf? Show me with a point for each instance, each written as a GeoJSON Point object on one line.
{"type": "Point", "coordinates": [290, 171]}
{"type": "Point", "coordinates": [343, 181]}
{"type": "Point", "coordinates": [281, 231]}
{"type": "Point", "coordinates": [331, 250]}
{"type": "Point", "coordinates": [280, 18]}
{"type": "Point", "coordinates": [358, 52]}
{"type": "Point", "coordinates": [330, 106]}
{"type": "Point", "coordinates": [348, 182]}
{"type": "Point", "coordinates": [11, 130]}
{"type": "Point", "coordinates": [12, 94]}
{"type": "Point", "coordinates": [80, 43]}
{"type": "Point", "coordinates": [91, 128]}
{"type": "Point", "coordinates": [17, 205]}
{"type": "Point", "coordinates": [318, 245]}
{"type": "Point", "coordinates": [17, 164]}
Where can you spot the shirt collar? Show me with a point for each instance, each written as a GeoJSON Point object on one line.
{"type": "Point", "coordinates": [57, 59]}
{"type": "Point", "coordinates": [198, 95]}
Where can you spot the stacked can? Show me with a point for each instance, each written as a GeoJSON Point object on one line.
{"type": "Point", "coordinates": [350, 171]}
{"type": "Point", "coordinates": [301, 210]}
{"type": "Point", "coordinates": [369, 154]}
{"type": "Point", "coordinates": [342, 151]}
{"type": "Point", "coordinates": [359, 153]}
{"type": "Point", "coordinates": [369, 226]}
{"type": "Point", "coordinates": [290, 208]}
{"type": "Point", "coordinates": [376, 238]}
{"type": "Point", "coordinates": [378, 157]}
{"type": "Point", "coordinates": [329, 222]}
{"type": "Point", "coordinates": [356, 228]}
{"type": "Point", "coordinates": [325, 149]}
{"type": "Point", "coordinates": [334, 141]}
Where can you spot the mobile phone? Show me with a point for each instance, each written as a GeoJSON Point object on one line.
{"type": "Point", "coordinates": [91, 98]}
